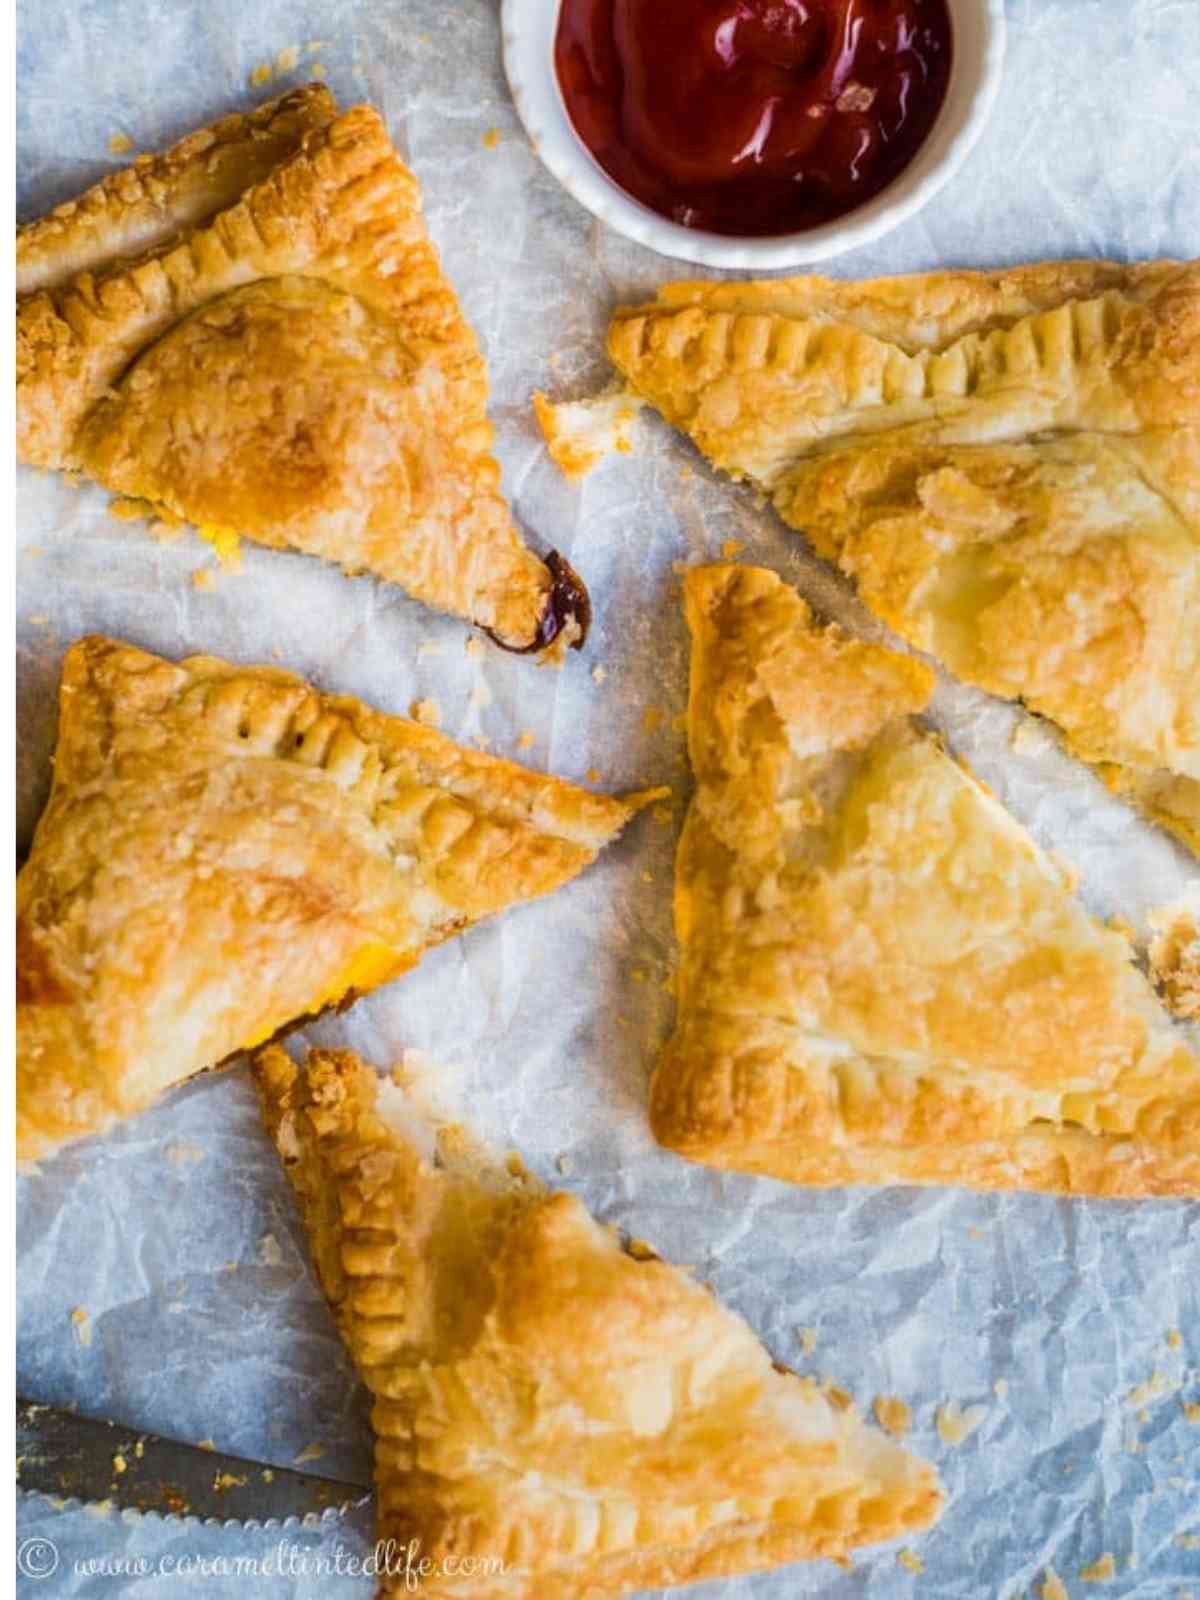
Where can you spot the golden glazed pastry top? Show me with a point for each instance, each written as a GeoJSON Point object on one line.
{"type": "Point", "coordinates": [589, 1417]}
{"type": "Point", "coordinates": [226, 849]}
{"type": "Point", "coordinates": [284, 359]}
{"type": "Point", "coordinates": [1008, 464]}
{"type": "Point", "coordinates": [883, 979]}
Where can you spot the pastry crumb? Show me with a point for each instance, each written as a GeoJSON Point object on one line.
{"type": "Point", "coordinates": [1000, 1388]}
{"type": "Point", "coordinates": [318, 70]}
{"type": "Point", "coordinates": [38, 620]}
{"type": "Point", "coordinates": [956, 1425]}
{"type": "Point", "coordinates": [1191, 1410]}
{"type": "Point", "coordinates": [580, 433]}
{"type": "Point", "coordinates": [1053, 1588]}
{"type": "Point", "coordinates": [525, 740]}
{"type": "Point", "coordinates": [205, 1444]}
{"type": "Point", "coordinates": [1101, 1570]}
{"type": "Point", "coordinates": [269, 1253]}
{"type": "Point", "coordinates": [119, 1464]}
{"type": "Point", "coordinates": [563, 1163]}
{"type": "Point", "coordinates": [261, 75]}
{"type": "Point", "coordinates": [226, 543]}
{"type": "Point", "coordinates": [731, 548]}
{"type": "Point", "coordinates": [288, 58]}
{"type": "Point", "coordinates": [426, 712]}
{"type": "Point", "coordinates": [491, 138]}
{"type": "Point", "coordinates": [1155, 1387]}
{"type": "Point", "coordinates": [82, 1323]}
{"type": "Point", "coordinates": [474, 647]}
{"type": "Point", "coordinates": [1174, 1339]}
{"type": "Point", "coordinates": [1027, 738]}
{"type": "Point", "coordinates": [599, 673]}
{"type": "Point", "coordinates": [807, 1340]}
{"type": "Point", "coordinates": [593, 774]}
{"type": "Point", "coordinates": [204, 579]}
{"type": "Point", "coordinates": [1174, 956]}
{"type": "Point", "coordinates": [181, 1152]}
{"type": "Point", "coordinates": [120, 144]}
{"type": "Point", "coordinates": [228, 1480]}
{"type": "Point", "coordinates": [911, 1560]}
{"type": "Point", "coordinates": [311, 1452]}
{"type": "Point", "coordinates": [893, 1415]}
{"type": "Point", "coordinates": [267, 1475]}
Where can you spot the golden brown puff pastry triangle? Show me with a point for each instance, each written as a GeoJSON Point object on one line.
{"type": "Point", "coordinates": [589, 1417]}
{"type": "Point", "coordinates": [226, 850]}
{"type": "Point", "coordinates": [285, 359]}
{"type": "Point", "coordinates": [1008, 465]}
{"type": "Point", "coordinates": [883, 979]}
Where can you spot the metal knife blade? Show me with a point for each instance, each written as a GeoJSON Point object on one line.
{"type": "Point", "coordinates": [67, 1456]}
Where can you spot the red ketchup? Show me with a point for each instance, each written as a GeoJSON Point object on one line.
{"type": "Point", "coordinates": [753, 116]}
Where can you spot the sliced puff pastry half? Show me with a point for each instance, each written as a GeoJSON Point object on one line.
{"type": "Point", "coordinates": [252, 332]}
{"type": "Point", "coordinates": [883, 979]}
{"type": "Point", "coordinates": [580, 1415]}
{"type": "Point", "coordinates": [1007, 464]}
{"type": "Point", "coordinates": [226, 850]}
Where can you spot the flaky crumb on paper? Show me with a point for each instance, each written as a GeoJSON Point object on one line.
{"type": "Point", "coordinates": [269, 1252]}
{"type": "Point", "coordinates": [82, 1323]}
{"type": "Point", "coordinates": [911, 1561]}
{"type": "Point", "coordinates": [580, 433]}
{"type": "Point", "coordinates": [311, 1452]}
{"type": "Point", "coordinates": [1052, 1587]}
{"type": "Point", "coordinates": [1102, 1570]}
{"type": "Point", "coordinates": [808, 1339]}
{"type": "Point", "coordinates": [954, 1424]}
{"type": "Point", "coordinates": [120, 144]}
{"type": "Point", "coordinates": [893, 1415]}
{"type": "Point", "coordinates": [426, 712]}
{"type": "Point", "coordinates": [1175, 956]}
{"type": "Point", "coordinates": [1155, 1387]}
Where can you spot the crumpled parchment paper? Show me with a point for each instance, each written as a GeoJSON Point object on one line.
{"type": "Point", "coordinates": [1071, 1328]}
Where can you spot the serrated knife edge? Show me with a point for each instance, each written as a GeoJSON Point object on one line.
{"type": "Point", "coordinates": [70, 1458]}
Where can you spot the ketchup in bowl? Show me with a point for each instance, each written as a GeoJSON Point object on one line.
{"type": "Point", "coordinates": [753, 117]}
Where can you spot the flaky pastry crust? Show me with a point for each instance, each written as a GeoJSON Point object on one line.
{"type": "Point", "coordinates": [1007, 464]}
{"type": "Point", "coordinates": [226, 850]}
{"type": "Point", "coordinates": [883, 979]}
{"type": "Point", "coordinates": [543, 1398]}
{"type": "Point", "coordinates": [283, 359]}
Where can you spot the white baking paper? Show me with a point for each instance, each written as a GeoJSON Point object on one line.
{"type": "Point", "coordinates": [1073, 1326]}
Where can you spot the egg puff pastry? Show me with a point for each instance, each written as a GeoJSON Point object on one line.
{"type": "Point", "coordinates": [1007, 464]}
{"type": "Point", "coordinates": [283, 359]}
{"type": "Point", "coordinates": [226, 850]}
{"type": "Point", "coordinates": [591, 1418]}
{"type": "Point", "coordinates": [883, 979]}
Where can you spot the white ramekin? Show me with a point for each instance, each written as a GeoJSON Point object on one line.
{"type": "Point", "coordinates": [529, 28]}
